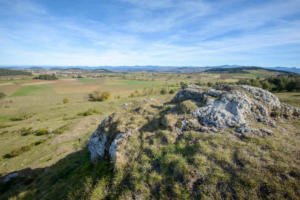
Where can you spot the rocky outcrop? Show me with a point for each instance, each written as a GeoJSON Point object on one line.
{"type": "Point", "coordinates": [195, 108]}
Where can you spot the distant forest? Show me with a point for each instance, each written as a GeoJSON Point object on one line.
{"type": "Point", "coordinates": [281, 83]}
{"type": "Point", "coordinates": [241, 70]}
{"type": "Point", "coordinates": [10, 72]}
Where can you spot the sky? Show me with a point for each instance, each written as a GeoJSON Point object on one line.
{"type": "Point", "coordinates": [150, 32]}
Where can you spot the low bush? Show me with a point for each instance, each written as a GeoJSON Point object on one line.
{"type": "Point", "coordinates": [61, 129]}
{"type": "Point", "coordinates": [42, 132]}
{"type": "Point", "coordinates": [163, 91]}
{"type": "Point", "coordinates": [90, 111]}
{"type": "Point", "coordinates": [2, 95]}
{"type": "Point", "coordinates": [98, 96]}
{"type": "Point", "coordinates": [172, 91]}
{"type": "Point", "coordinates": [183, 85]}
{"type": "Point", "coordinates": [66, 100]}
{"type": "Point", "coordinates": [17, 152]}
{"type": "Point", "coordinates": [25, 131]}
{"type": "Point", "coordinates": [105, 96]}
{"type": "Point", "coordinates": [21, 116]}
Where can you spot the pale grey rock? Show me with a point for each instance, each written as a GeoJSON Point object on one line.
{"type": "Point", "coordinates": [227, 109]}
{"type": "Point", "coordinates": [97, 145]}
{"type": "Point", "coordinates": [231, 106]}
{"type": "Point", "coordinates": [262, 95]}
{"type": "Point", "coordinates": [114, 145]}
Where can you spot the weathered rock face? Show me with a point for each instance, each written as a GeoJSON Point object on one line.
{"type": "Point", "coordinates": [227, 106]}
{"type": "Point", "coordinates": [194, 108]}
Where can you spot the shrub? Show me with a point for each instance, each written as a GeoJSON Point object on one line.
{"type": "Point", "coordinates": [17, 152]}
{"type": "Point", "coordinates": [275, 113]}
{"type": "Point", "coordinates": [183, 85]}
{"type": "Point", "coordinates": [42, 132]}
{"type": "Point", "coordinates": [88, 112]}
{"type": "Point", "coordinates": [98, 96]}
{"type": "Point", "coordinates": [21, 116]}
{"type": "Point", "coordinates": [61, 129]}
{"type": "Point", "coordinates": [105, 96]}
{"type": "Point", "coordinates": [163, 91]}
{"type": "Point", "coordinates": [95, 96]}
{"type": "Point", "coordinates": [25, 131]}
{"type": "Point", "coordinates": [172, 91]}
{"type": "Point", "coordinates": [66, 100]}
{"type": "Point", "coordinates": [2, 95]}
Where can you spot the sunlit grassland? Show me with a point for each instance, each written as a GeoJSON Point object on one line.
{"type": "Point", "coordinates": [43, 103]}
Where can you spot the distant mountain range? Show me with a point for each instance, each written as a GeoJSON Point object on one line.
{"type": "Point", "coordinates": [161, 69]}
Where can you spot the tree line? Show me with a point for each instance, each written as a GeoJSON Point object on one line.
{"type": "Point", "coordinates": [10, 72]}
{"type": "Point", "coordinates": [280, 83]}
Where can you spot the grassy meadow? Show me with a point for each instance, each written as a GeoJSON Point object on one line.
{"type": "Point", "coordinates": [45, 139]}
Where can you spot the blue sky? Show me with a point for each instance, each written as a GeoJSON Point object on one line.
{"type": "Point", "coordinates": [150, 32]}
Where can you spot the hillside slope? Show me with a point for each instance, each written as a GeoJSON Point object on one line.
{"type": "Point", "coordinates": [228, 142]}
{"type": "Point", "coordinates": [232, 142]}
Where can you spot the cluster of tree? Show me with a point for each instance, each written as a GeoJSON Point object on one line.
{"type": "Point", "coordinates": [241, 70]}
{"type": "Point", "coordinates": [276, 84]}
{"type": "Point", "coordinates": [46, 77]}
{"type": "Point", "coordinates": [10, 72]}
{"type": "Point", "coordinates": [98, 96]}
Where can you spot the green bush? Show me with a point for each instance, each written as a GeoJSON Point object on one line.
{"type": "Point", "coordinates": [183, 85]}
{"type": "Point", "coordinates": [90, 111]}
{"type": "Point", "coordinates": [2, 95]}
{"type": "Point", "coordinates": [42, 132]}
{"type": "Point", "coordinates": [98, 96]}
{"type": "Point", "coordinates": [61, 129]}
{"type": "Point", "coordinates": [105, 96]}
{"type": "Point", "coordinates": [163, 91]}
{"type": "Point", "coordinates": [172, 91]}
{"type": "Point", "coordinates": [25, 131]}
{"type": "Point", "coordinates": [21, 116]}
{"type": "Point", "coordinates": [17, 152]}
{"type": "Point", "coordinates": [66, 100]}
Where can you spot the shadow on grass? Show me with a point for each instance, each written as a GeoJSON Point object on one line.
{"type": "Point", "coordinates": [73, 177]}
